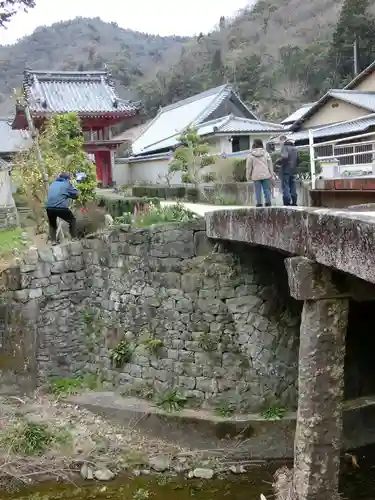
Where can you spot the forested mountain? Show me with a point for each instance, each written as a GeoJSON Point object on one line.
{"type": "Point", "coordinates": [278, 54]}
{"type": "Point", "coordinates": [83, 44]}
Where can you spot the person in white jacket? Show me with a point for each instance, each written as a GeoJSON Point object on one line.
{"type": "Point", "coordinates": [259, 169]}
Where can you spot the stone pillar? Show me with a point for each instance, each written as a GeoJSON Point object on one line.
{"type": "Point", "coordinates": [320, 381]}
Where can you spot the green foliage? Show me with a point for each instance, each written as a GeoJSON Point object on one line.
{"type": "Point", "coordinates": [225, 409]}
{"type": "Point", "coordinates": [128, 54]}
{"type": "Point", "coordinates": [10, 7]}
{"type": "Point", "coordinates": [67, 137]}
{"type": "Point", "coordinates": [171, 400]}
{"type": "Point", "coordinates": [141, 494]}
{"type": "Point", "coordinates": [29, 438]}
{"type": "Point", "coordinates": [191, 157]}
{"type": "Point", "coordinates": [9, 240]}
{"type": "Point", "coordinates": [153, 345]}
{"type": "Point", "coordinates": [207, 341]}
{"type": "Point", "coordinates": [239, 172]}
{"type": "Point", "coordinates": [163, 192]}
{"type": "Point", "coordinates": [121, 354]}
{"type": "Point", "coordinates": [356, 22]}
{"type": "Point", "coordinates": [116, 207]}
{"type": "Point", "coordinates": [157, 215]}
{"type": "Point", "coordinates": [274, 413]}
{"type": "Point", "coordinates": [303, 171]}
{"type": "Point", "coordinates": [61, 387]}
{"type": "Point", "coordinates": [61, 144]}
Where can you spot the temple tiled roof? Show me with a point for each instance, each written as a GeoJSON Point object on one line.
{"type": "Point", "coordinates": [85, 92]}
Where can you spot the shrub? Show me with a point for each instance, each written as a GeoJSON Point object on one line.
{"type": "Point", "coordinates": [121, 354]}
{"type": "Point", "coordinates": [90, 219]}
{"type": "Point", "coordinates": [171, 400]}
{"type": "Point", "coordinates": [157, 215]}
{"type": "Point", "coordinates": [116, 207]}
{"type": "Point", "coordinates": [303, 171]}
{"type": "Point", "coordinates": [239, 171]}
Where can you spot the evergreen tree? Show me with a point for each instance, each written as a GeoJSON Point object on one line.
{"type": "Point", "coordinates": [356, 24]}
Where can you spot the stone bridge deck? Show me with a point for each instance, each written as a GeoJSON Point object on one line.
{"type": "Point", "coordinates": [319, 242]}
{"type": "Point", "coordinates": [342, 239]}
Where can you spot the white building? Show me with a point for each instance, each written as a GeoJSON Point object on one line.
{"type": "Point", "coordinates": [220, 117]}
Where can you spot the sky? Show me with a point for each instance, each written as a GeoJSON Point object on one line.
{"type": "Point", "coordinates": [164, 17]}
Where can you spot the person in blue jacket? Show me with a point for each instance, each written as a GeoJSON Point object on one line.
{"type": "Point", "coordinates": [60, 193]}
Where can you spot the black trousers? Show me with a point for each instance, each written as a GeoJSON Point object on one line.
{"type": "Point", "coordinates": [64, 214]}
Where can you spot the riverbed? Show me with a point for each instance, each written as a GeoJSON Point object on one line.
{"type": "Point", "coordinates": [357, 483]}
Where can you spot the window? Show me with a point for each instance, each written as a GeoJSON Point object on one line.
{"type": "Point", "coordinates": [240, 143]}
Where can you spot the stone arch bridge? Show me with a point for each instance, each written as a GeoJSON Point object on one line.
{"type": "Point", "coordinates": [330, 260]}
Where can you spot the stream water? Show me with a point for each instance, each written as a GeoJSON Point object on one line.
{"type": "Point", "coordinates": [356, 484]}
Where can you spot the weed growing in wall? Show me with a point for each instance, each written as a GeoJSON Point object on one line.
{"type": "Point", "coordinates": [121, 354]}
{"type": "Point", "coordinates": [171, 400]}
{"type": "Point", "coordinates": [153, 345]}
{"type": "Point", "coordinates": [207, 341]}
{"type": "Point", "coordinates": [93, 327]}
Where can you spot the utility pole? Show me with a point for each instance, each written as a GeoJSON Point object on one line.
{"type": "Point", "coordinates": [355, 58]}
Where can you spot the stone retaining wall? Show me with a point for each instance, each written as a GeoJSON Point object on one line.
{"type": "Point", "coordinates": [214, 322]}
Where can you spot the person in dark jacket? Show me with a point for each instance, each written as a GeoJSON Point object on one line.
{"type": "Point", "coordinates": [289, 162]}
{"type": "Point", "coordinates": [60, 193]}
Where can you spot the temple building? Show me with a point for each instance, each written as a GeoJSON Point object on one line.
{"type": "Point", "coordinates": [90, 94]}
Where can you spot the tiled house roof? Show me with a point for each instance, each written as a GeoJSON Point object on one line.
{"type": "Point", "coordinates": [348, 127]}
{"type": "Point", "coordinates": [289, 120]}
{"type": "Point", "coordinates": [238, 125]}
{"type": "Point", "coordinates": [12, 141]}
{"type": "Point", "coordinates": [88, 93]}
{"type": "Point", "coordinates": [226, 125]}
{"type": "Point", "coordinates": [194, 111]}
{"type": "Point", "coordinates": [365, 100]}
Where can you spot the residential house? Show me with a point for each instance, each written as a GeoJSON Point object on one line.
{"type": "Point", "coordinates": [339, 117]}
{"type": "Point", "coordinates": [220, 117]}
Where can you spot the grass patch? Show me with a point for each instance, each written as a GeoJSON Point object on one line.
{"type": "Point", "coordinates": [171, 400]}
{"type": "Point", "coordinates": [225, 409]}
{"type": "Point", "coordinates": [141, 494]}
{"type": "Point", "coordinates": [10, 240]}
{"type": "Point", "coordinates": [29, 438]}
{"type": "Point", "coordinates": [68, 386]}
{"type": "Point", "coordinates": [274, 413]}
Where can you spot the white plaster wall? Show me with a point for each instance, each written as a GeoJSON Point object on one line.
{"type": "Point", "coordinates": [6, 197]}
{"type": "Point", "coordinates": [226, 145]}
{"type": "Point", "coordinates": [121, 174]}
{"type": "Point", "coordinates": [151, 172]}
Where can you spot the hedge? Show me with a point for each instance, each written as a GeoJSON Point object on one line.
{"type": "Point", "coordinates": [188, 193]}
